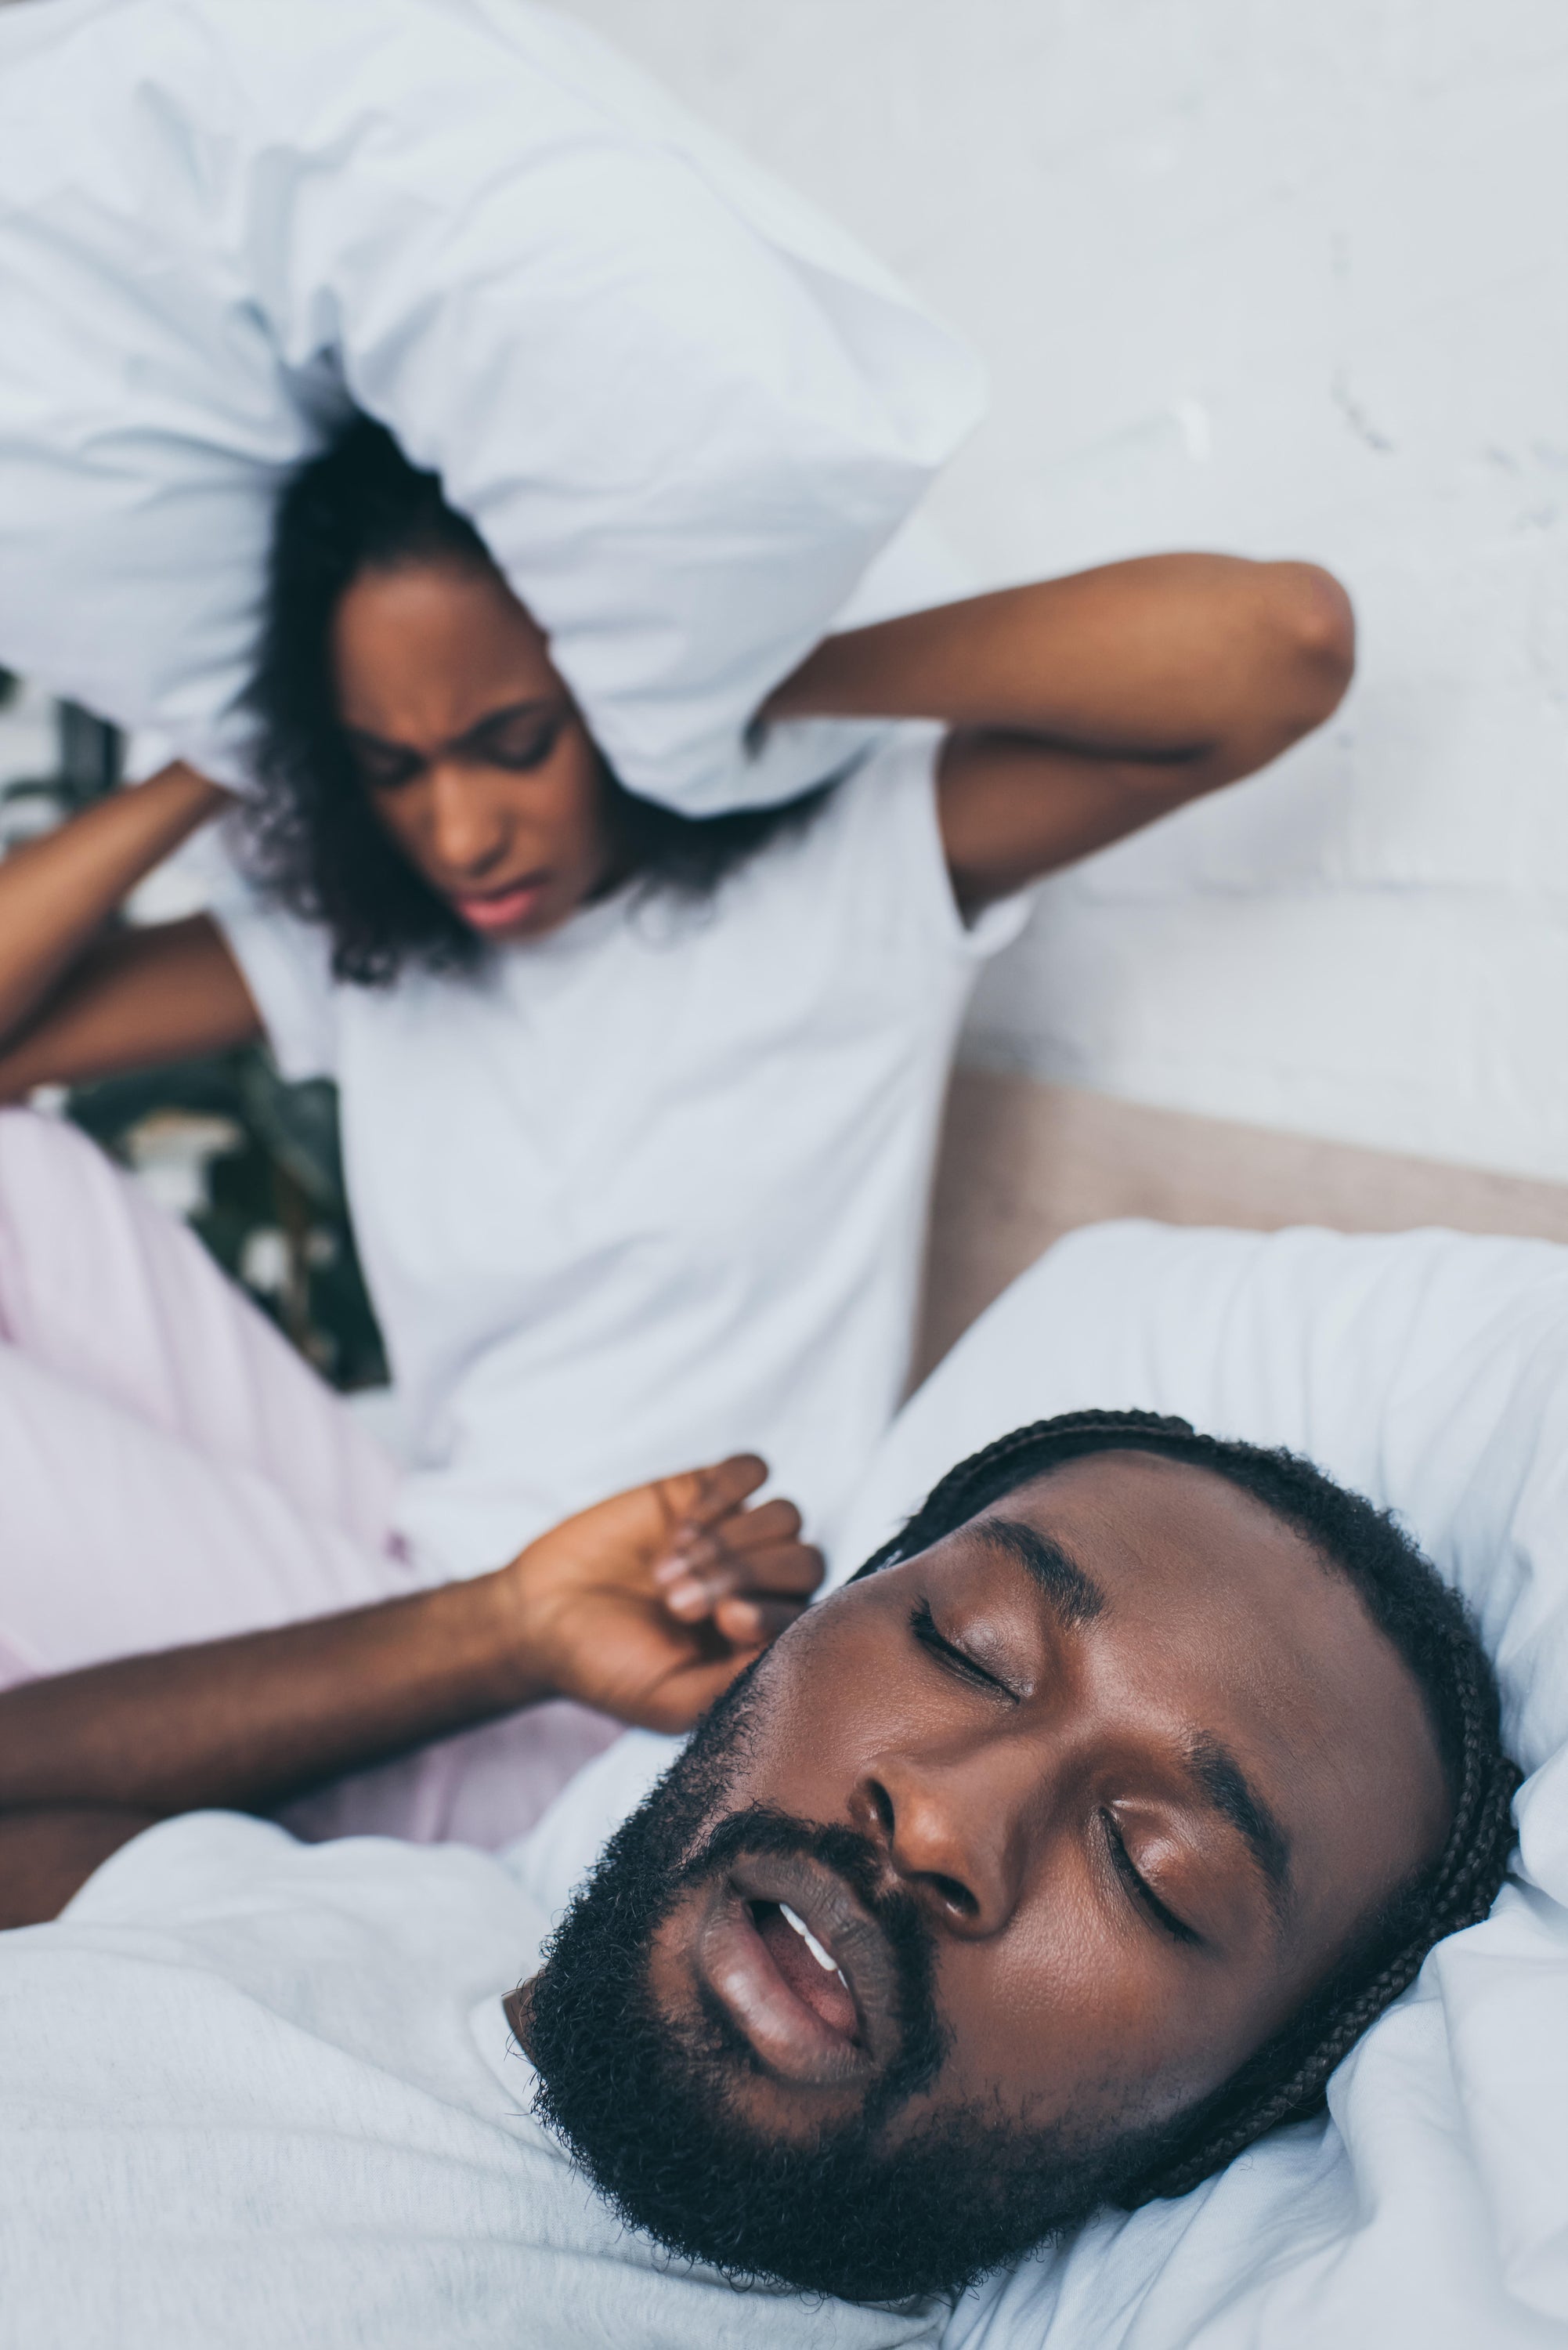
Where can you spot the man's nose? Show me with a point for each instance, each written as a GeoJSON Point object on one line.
{"type": "Point", "coordinates": [467, 835]}
{"type": "Point", "coordinates": [952, 1827]}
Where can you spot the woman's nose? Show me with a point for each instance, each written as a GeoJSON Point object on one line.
{"type": "Point", "coordinates": [466, 834]}
{"type": "Point", "coordinates": [950, 1830]}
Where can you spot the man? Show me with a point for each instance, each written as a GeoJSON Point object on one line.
{"type": "Point", "coordinates": [1061, 1854]}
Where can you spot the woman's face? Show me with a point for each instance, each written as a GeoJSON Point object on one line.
{"type": "Point", "coordinates": [470, 747]}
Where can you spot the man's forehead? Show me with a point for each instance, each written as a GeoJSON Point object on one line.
{"type": "Point", "coordinates": [1122, 1510]}
{"type": "Point", "coordinates": [1192, 1576]}
{"type": "Point", "coordinates": [1205, 1580]}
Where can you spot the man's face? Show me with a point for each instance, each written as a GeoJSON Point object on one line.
{"type": "Point", "coordinates": [1025, 1842]}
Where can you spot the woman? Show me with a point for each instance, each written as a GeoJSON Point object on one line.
{"type": "Point", "coordinates": [637, 1110]}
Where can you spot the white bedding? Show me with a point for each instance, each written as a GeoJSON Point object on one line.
{"type": "Point", "coordinates": [1431, 1371]}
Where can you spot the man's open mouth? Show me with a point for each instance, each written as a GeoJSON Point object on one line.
{"type": "Point", "coordinates": [810, 1970]}
{"type": "Point", "coordinates": [802, 1969]}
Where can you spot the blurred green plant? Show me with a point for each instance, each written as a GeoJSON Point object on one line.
{"type": "Point", "coordinates": [254, 1167]}
{"type": "Point", "coordinates": [252, 1164]}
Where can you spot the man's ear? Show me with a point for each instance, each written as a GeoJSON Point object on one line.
{"type": "Point", "coordinates": [518, 2009]}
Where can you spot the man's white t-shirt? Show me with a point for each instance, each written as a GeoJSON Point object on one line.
{"type": "Point", "coordinates": [259, 2093]}
{"type": "Point", "coordinates": [650, 1190]}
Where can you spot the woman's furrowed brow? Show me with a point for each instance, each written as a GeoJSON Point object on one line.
{"type": "Point", "coordinates": [1073, 1595]}
{"type": "Point", "coordinates": [533, 705]}
{"type": "Point", "coordinates": [367, 741]}
{"type": "Point", "coordinates": [539, 705]}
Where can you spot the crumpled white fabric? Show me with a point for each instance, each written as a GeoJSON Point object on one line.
{"type": "Point", "coordinates": [685, 411]}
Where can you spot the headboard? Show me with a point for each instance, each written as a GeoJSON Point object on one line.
{"type": "Point", "coordinates": [1022, 1162]}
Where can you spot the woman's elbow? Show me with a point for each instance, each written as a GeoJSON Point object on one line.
{"type": "Point", "coordinates": [1313, 622]}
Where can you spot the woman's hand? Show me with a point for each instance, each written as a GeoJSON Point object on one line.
{"type": "Point", "coordinates": [648, 1605]}
{"type": "Point", "coordinates": [80, 999]}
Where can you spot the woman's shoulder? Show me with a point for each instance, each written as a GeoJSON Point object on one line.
{"type": "Point", "coordinates": [875, 838]}
{"type": "Point", "coordinates": [285, 962]}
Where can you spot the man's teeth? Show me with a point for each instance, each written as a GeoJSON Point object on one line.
{"type": "Point", "coordinates": [812, 1944]}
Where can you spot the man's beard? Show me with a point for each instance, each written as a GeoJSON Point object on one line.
{"type": "Point", "coordinates": [646, 2106]}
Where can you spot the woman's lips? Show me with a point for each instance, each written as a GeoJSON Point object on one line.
{"type": "Point", "coordinates": [500, 909]}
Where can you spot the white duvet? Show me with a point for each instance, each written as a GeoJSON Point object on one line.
{"type": "Point", "coordinates": [1431, 1371]}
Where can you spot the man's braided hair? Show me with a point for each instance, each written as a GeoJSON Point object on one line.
{"type": "Point", "coordinates": [1428, 1625]}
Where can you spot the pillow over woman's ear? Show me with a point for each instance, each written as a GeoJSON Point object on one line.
{"type": "Point", "coordinates": [684, 411]}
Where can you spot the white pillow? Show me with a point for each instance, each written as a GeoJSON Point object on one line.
{"type": "Point", "coordinates": [684, 411]}
{"type": "Point", "coordinates": [1431, 1371]}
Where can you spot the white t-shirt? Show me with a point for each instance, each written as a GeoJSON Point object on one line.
{"type": "Point", "coordinates": [259, 2093]}
{"type": "Point", "coordinates": [652, 1188]}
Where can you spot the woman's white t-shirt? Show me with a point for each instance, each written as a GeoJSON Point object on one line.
{"type": "Point", "coordinates": [652, 1188]}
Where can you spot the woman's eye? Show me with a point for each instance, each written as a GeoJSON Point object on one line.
{"type": "Point", "coordinates": [948, 1654]}
{"type": "Point", "coordinates": [518, 750]}
{"type": "Point", "coordinates": [1140, 1888]}
{"type": "Point", "coordinates": [383, 770]}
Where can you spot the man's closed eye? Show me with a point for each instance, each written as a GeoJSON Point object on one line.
{"type": "Point", "coordinates": [948, 1654]}
{"type": "Point", "coordinates": [1138, 1887]}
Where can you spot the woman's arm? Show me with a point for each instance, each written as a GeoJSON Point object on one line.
{"type": "Point", "coordinates": [246, 1723]}
{"type": "Point", "coordinates": [1082, 707]}
{"type": "Point", "coordinates": [76, 1003]}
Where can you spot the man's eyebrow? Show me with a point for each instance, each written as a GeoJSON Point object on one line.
{"type": "Point", "coordinates": [1227, 1791]}
{"type": "Point", "coordinates": [1076, 1596]}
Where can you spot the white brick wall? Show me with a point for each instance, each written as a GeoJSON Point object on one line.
{"type": "Point", "coordinates": [1283, 279]}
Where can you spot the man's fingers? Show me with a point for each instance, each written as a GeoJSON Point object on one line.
{"type": "Point", "coordinates": [721, 1552]}
{"type": "Point", "coordinates": [741, 1534]}
{"type": "Point", "coordinates": [784, 1569]}
{"type": "Point", "coordinates": [700, 1497]}
{"type": "Point", "coordinates": [752, 1623]}
{"type": "Point", "coordinates": [777, 1521]}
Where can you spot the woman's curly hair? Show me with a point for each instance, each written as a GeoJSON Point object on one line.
{"type": "Point", "coordinates": [314, 841]}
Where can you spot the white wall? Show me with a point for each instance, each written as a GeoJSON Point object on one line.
{"type": "Point", "coordinates": [1281, 279]}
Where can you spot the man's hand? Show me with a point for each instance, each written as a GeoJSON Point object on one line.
{"type": "Point", "coordinates": [648, 1605]}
